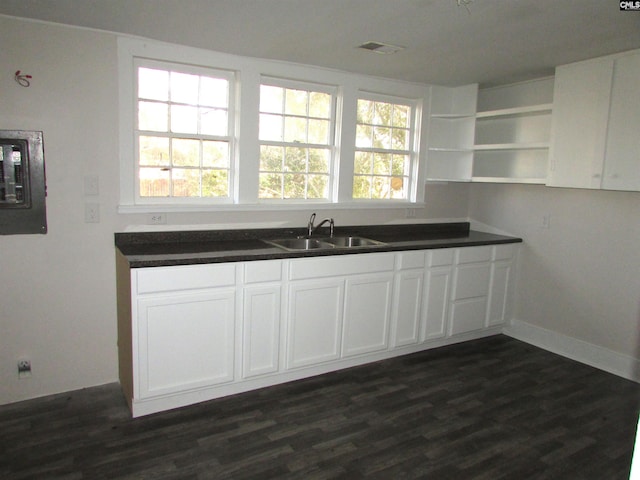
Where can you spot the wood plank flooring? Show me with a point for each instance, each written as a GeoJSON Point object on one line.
{"type": "Point", "coordinates": [490, 409]}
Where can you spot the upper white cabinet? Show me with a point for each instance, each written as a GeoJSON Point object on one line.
{"type": "Point", "coordinates": [594, 139]}
{"type": "Point", "coordinates": [512, 133]}
{"type": "Point", "coordinates": [451, 133]}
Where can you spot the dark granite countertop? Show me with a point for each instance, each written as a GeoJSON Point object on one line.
{"type": "Point", "coordinates": [154, 249]}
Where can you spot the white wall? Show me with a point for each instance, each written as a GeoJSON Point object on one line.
{"type": "Point", "coordinates": [58, 302]}
{"type": "Point", "coordinates": [580, 277]}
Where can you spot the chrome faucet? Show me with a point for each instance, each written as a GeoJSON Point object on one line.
{"type": "Point", "coordinates": [312, 228]}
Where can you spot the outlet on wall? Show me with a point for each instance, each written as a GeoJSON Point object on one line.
{"type": "Point", "coordinates": [24, 368]}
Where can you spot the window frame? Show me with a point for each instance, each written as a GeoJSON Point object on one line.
{"type": "Point", "coordinates": [331, 90]}
{"type": "Point", "coordinates": [412, 144]}
{"type": "Point", "coordinates": [249, 73]}
{"type": "Point", "coordinates": [171, 66]}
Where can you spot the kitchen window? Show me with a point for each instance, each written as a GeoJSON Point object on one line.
{"type": "Point", "coordinates": [184, 132]}
{"type": "Point", "coordinates": [296, 141]}
{"type": "Point", "coordinates": [383, 153]}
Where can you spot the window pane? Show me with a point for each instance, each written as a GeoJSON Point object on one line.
{"type": "Point", "coordinates": [361, 187]}
{"type": "Point", "coordinates": [318, 186]}
{"type": "Point", "coordinates": [399, 139]}
{"type": "Point", "coordinates": [186, 182]}
{"type": "Point", "coordinates": [400, 165]}
{"type": "Point", "coordinates": [271, 99]}
{"type": "Point", "coordinates": [295, 129]}
{"type": "Point", "coordinates": [363, 163]}
{"type": "Point", "coordinates": [186, 153]}
{"type": "Point", "coordinates": [295, 160]}
{"type": "Point", "coordinates": [214, 92]}
{"type": "Point", "coordinates": [153, 116]}
{"type": "Point", "coordinates": [296, 102]}
{"type": "Point", "coordinates": [213, 121]}
{"type": "Point", "coordinates": [153, 84]}
{"type": "Point", "coordinates": [215, 154]}
{"type": "Point", "coordinates": [318, 160]}
{"type": "Point", "coordinates": [271, 158]}
{"type": "Point", "coordinates": [383, 113]}
{"type": "Point", "coordinates": [154, 151]}
{"type": "Point", "coordinates": [294, 185]}
{"type": "Point", "coordinates": [154, 182]}
{"type": "Point", "coordinates": [215, 183]}
{"type": "Point", "coordinates": [184, 119]}
{"type": "Point", "coordinates": [380, 187]}
{"type": "Point", "coordinates": [365, 111]}
{"type": "Point", "coordinates": [319, 132]}
{"type": "Point", "coordinates": [270, 185]}
{"type": "Point", "coordinates": [381, 137]}
{"type": "Point", "coordinates": [401, 116]}
{"type": "Point", "coordinates": [184, 88]}
{"type": "Point", "coordinates": [271, 127]}
{"type": "Point", "coordinates": [382, 164]}
{"type": "Point", "coordinates": [319, 105]}
{"type": "Point", "coordinates": [397, 187]}
{"type": "Point", "coordinates": [363, 136]}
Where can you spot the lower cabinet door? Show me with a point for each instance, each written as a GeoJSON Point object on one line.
{"type": "Point", "coordinates": [261, 332]}
{"type": "Point", "coordinates": [184, 341]}
{"type": "Point", "coordinates": [406, 308]}
{"type": "Point", "coordinates": [498, 293]}
{"type": "Point", "coordinates": [315, 321]}
{"type": "Point", "coordinates": [366, 314]}
{"type": "Point", "coordinates": [468, 315]}
{"type": "Point", "coordinates": [436, 302]}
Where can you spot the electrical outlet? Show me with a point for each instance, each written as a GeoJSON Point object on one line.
{"type": "Point", "coordinates": [24, 368]}
{"type": "Point", "coordinates": [157, 219]}
{"type": "Point", "coordinates": [91, 213]}
{"type": "Point", "coordinates": [410, 213]}
{"type": "Point", "coordinates": [546, 222]}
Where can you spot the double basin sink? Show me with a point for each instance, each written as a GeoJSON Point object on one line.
{"type": "Point", "coordinates": [324, 243]}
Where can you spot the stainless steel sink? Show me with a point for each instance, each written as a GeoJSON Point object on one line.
{"type": "Point", "coordinates": [294, 244]}
{"type": "Point", "coordinates": [300, 243]}
{"type": "Point", "coordinates": [350, 242]}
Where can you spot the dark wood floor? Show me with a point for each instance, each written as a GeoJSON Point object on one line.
{"type": "Point", "coordinates": [491, 409]}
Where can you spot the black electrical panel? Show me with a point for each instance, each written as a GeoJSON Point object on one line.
{"type": "Point", "coordinates": [22, 183]}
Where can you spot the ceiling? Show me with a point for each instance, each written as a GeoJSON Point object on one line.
{"type": "Point", "coordinates": [448, 42]}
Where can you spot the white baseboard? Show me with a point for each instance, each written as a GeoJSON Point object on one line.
{"type": "Point", "coordinates": [579, 350]}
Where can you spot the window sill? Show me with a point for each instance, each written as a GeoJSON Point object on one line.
{"type": "Point", "coordinates": [264, 207]}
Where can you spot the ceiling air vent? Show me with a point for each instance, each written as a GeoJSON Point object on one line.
{"type": "Point", "coordinates": [383, 48]}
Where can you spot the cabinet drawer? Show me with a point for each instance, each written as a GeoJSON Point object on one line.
{"type": "Point", "coordinates": [474, 254]}
{"type": "Point", "coordinates": [263, 271]}
{"type": "Point", "coordinates": [504, 252]}
{"type": "Point", "coordinates": [188, 277]}
{"type": "Point", "coordinates": [340, 265]}
{"type": "Point", "coordinates": [472, 281]}
{"type": "Point", "coordinates": [441, 257]}
{"type": "Point", "coordinates": [413, 259]}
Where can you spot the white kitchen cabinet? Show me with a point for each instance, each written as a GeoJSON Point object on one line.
{"type": "Point", "coordinates": [193, 333]}
{"type": "Point", "coordinates": [407, 298]}
{"type": "Point", "coordinates": [512, 133]}
{"type": "Point", "coordinates": [261, 317]}
{"type": "Point", "coordinates": [183, 328]}
{"type": "Point", "coordinates": [622, 163]}
{"type": "Point", "coordinates": [594, 141]}
{"type": "Point", "coordinates": [315, 321]}
{"type": "Point", "coordinates": [367, 313]}
{"type": "Point", "coordinates": [471, 276]}
{"type": "Point", "coordinates": [499, 300]}
{"type": "Point", "coordinates": [451, 133]}
{"type": "Point", "coordinates": [184, 341]}
{"type": "Point", "coordinates": [437, 293]}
